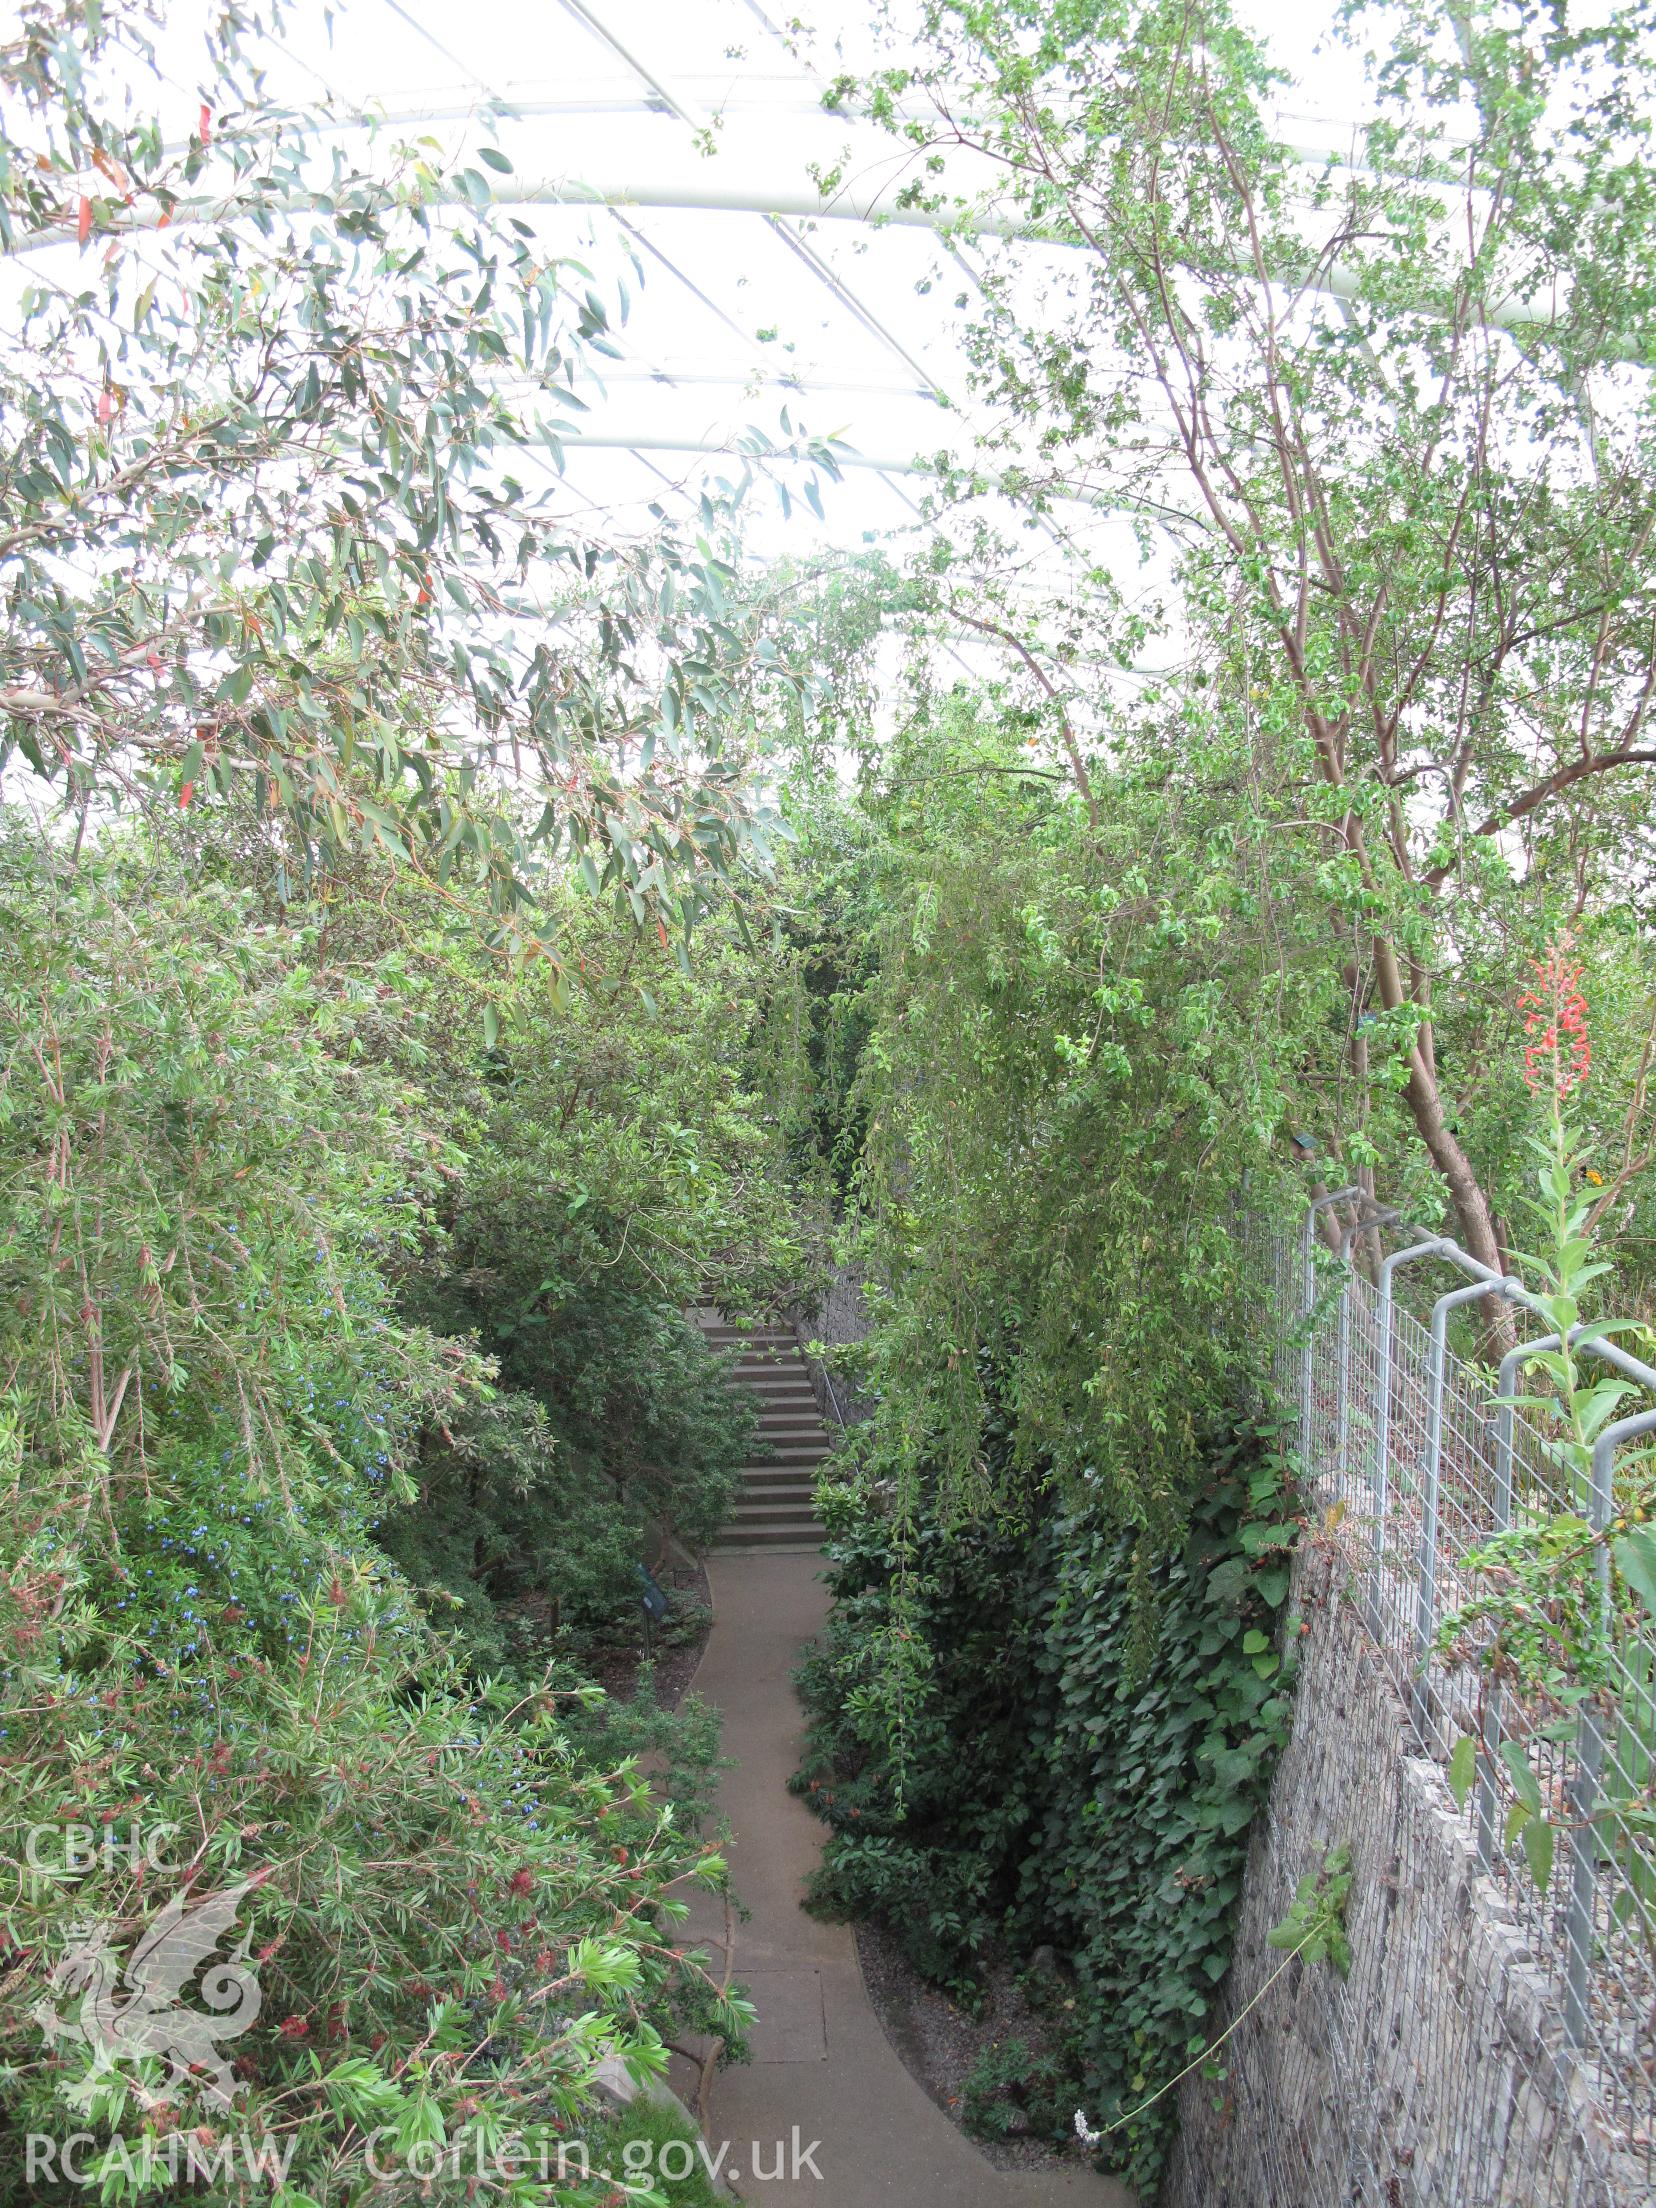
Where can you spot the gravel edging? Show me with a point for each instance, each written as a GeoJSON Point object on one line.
{"type": "Point", "coordinates": [938, 2042]}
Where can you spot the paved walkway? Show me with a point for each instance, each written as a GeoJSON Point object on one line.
{"type": "Point", "coordinates": [823, 2069]}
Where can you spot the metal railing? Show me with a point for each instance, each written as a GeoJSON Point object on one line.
{"type": "Point", "coordinates": [1414, 1459]}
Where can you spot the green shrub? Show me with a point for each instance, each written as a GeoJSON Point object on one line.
{"type": "Point", "coordinates": [631, 2149]}
{"type": "Point", "coordinates": [458, 1895]}
{"type": "Point", "coordinates": [1012, 2090]}
{"type": "Point", "coordinates": [456, 1909]}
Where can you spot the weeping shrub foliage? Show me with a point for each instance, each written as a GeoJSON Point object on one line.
{"type": "Point", "coordinates": [1053, 1681]}
{"type": "Point", "coordinates": [1068, 1093]}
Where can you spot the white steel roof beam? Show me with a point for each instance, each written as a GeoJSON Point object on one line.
{"type": "Point", "coordinates": [715, 188]}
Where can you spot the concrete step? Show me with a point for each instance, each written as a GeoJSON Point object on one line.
{"type": "Point", "coordinates": [731, 1543]}
{"type": "Point", "coordinates": [790, 1518]}
{"type": "Point", "coordinates": [792, 1429]}
{"type": "Point", "coordinates": [774, 1537]}
{"type": "Point", "coordinates": [770, 1479]}
{"type": "Point", "coordinates": [790, 1452]}
{"type": "Point", "coordinates": [766, 1510]}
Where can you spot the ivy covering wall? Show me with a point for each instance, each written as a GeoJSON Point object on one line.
{"type": "Point", "coordinates": [1088, 1737]}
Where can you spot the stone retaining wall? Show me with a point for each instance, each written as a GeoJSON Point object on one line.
{"type": "Point", "coordinates": [1432, 2076]}
{"type": "Point", "coordinates": [839, 1319]}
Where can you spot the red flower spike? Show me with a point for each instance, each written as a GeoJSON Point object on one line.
{"type": "Point", "coordinates": [1559, 1050]}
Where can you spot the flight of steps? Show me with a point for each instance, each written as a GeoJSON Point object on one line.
{"type": "Point", "coordinates": [777, 1508]}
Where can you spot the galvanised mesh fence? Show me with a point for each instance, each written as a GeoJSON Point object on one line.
{"type": "Point", "coordinates": [1416, 1457]}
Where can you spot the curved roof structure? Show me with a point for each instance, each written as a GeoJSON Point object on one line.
{"type": "Point", "coordinates": [684, 150]}
{"type": "Point", "coordinates": [776, 287]}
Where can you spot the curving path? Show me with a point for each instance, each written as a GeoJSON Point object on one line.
{"type": "Point", "coordinates": [823, 2069]}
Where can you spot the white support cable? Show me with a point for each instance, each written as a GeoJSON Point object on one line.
{"type": "Point", "coordinates": [422, 30]}
{"type": "Point", "coordinates": [926, 389]}
{"type": "Point", "coordinates": [505, 105]}
{"type": "Point", "coordinates": [818, 267]}
{"type": "Point", "coordinates": [913, 505]}
{"type": "Point", "coordinates": [1058, 537]}
{"type": "Point", "coordinates": [776, 32]}
{"type": "Point", "coordinates": [804, 383]}
{"type": "Point", "coordinates": [641, 237]}
{"type": "Point", "coordinates": [1104, 502]}
{"type": "Point", "coordinates": [846, 296]}
{"type": "Point", "coordinates": [640, 447]}
{"type": "Point", "coordinates": [500, 103]}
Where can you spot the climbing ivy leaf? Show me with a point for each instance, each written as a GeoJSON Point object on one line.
{"type": "Point", "coordinates": [1463, 1769]}
{"type": "Point", "coordinates": [1538, 1850]}
{"type": "Point", "coordinates": [1525, 1784]}
{"type": "Point", "coordinates": [1635, 1555]}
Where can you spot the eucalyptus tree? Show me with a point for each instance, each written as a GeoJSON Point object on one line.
{"type": "Point", "coordinates": [279, 495]}
{"type": "Point", "coordinates": [1392, 403]}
